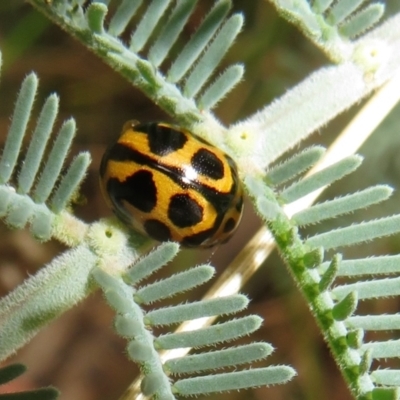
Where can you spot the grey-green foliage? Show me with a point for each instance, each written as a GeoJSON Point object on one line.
{"type": "Point", "coordinates": [185, 91]}
{"type": "Point", "coordinates": [190, 85]}
{"type": "Point", "coordinates": [36, 188]}
{"type": "Point", "coordinates": [37, 192]}
{"type": "Point", "coordinates": [335, 306]}
{"type": "Point", "coordinates": [329, 22]}
{"type": "Point", "coordinates": [135, 325]}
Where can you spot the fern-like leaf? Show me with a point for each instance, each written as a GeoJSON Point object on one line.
{"type": "Point", "coordinates": [330, 24]}
{"type": "Point", "coordinates": [133, 324]}
{"type": "Point", "coordinates": [335, 306]}
{"type": "Point", "coordinates": [30, 195]}
{"type": "Point", "coordinates": [183, 89]}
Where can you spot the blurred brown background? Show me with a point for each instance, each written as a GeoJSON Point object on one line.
{"type": "Point", "coordinates": [79, 353]}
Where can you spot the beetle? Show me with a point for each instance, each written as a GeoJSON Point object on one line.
{"type": "Point", "coordinates": [169, 184]}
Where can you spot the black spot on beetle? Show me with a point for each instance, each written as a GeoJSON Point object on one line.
{"type": "Point", "coordinates": [139, 190]}
{"type": "Point", "coordinates": [208, 164]}
{"type": "Point", "coordinates": [229, 225]}
{"type": "Point", "coordinates": [162, 139]}
{"type": "Point", "coordinates": [183, 211]}
{"type": "Point", "coordinates": [123, 152]}
{"type": "Point", "coordinates": [157, 230]}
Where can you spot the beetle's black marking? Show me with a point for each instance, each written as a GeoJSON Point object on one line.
{"type": "Point", "coordinates": [198, 238]}
{"type": "Point", "coordinates": [230, 225]}
{"type": "Point", "coordinates": [184, 211]}
{"type": "Point", "coordinates": [163, 140]}
{"type": "Point", "coordinates": [221, 201]}
{"type": "Point", "coordinates": [142, 190]}
{"type": "Point", "coordinates": [157, 230]}
{"type": "Point", "coordinates": [138, 189]}
{"type": "Point", "coordinates": [122, 152]}
{"type": "Point", "coordinates": [208, 164]}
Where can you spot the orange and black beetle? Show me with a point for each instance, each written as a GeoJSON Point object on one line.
{"type": "Point", "coordinates": [171, 185]}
